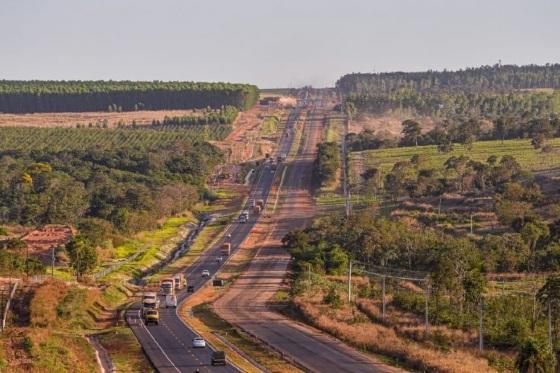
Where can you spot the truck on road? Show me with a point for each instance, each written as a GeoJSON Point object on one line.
{"type": "Point", "coordinates": [226, 249]}
{"type": "Point", "coordinates": [148, 305]}
{"type": "Point", "coordinates": [179, 281]}
{"type": "Point", "coordinates": [244, 217]}
{"type": "Point", "coordinates": [167, 286]}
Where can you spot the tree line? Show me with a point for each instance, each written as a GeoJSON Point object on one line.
{"type": "Point", "coordinates": [78, 96]}
{"type": "Point", "coordinates": [496, 78]}
{"type": "Point", "coordinates": [457, 104]}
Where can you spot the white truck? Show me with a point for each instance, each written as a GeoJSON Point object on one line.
{"type": "Point", "coordinates": [167, 286]}
{"type": "Point", "coordinates": [170, 301]}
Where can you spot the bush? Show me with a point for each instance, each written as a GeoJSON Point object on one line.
{"type": "Point", "coordinates": [333, 298]}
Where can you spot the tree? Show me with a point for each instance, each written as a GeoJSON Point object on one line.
{"type": "Point", "coordinates": [95, 230]}
{"type": "Point", "coordinates": [535, 357]}
{"type": "Point", "coordinates": [411, 130]}
{"type": "Point", "coordinates": [82, 254]}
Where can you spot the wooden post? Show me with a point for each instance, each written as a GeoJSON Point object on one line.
{"type": "Point", "coordinates": [480, 326]}
{"type": "Point", "coordinates": [350, 282]}
{"type": "Point", "coordinates": [383, 299]}
{"type": "Point", "coordinates": [426, 321]}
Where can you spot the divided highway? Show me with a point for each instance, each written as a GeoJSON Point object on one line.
{"type": "Point", "coordinates": [245, 303]}
{"type": "Point", "coordinates": [169, 344]}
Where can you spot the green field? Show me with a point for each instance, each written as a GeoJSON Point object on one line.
{"type": "Point", "coordinates": [57, 139]}
{"type": "Point", "coordinates": [524, 153]}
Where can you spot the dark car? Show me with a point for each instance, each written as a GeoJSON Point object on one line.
{"type": "Point", "coordinates": [218, 358]}
{"type": "Point", "coordinates": [190, 289]}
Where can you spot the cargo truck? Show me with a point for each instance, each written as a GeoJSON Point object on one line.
{"type": "Point", "coordinates": [244, 217]}
{"type": "Point", "coordinates": [149, 304]}
{"type": "Point", "coordinates": [179, 281]}
{"type": "Point", "coordinates": [257, 210]}
{"type": "Point", "coordinates": [167, 286]}
{"type": "Point", "coordinates": [226, 249]}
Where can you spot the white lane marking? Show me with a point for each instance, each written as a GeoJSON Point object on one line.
{"type": "Point", "coordinates": [161, 349]}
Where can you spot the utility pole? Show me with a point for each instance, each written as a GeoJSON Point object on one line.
{"type": "Point", "coordinates": [426, 319]}
{"type": "Point", "coordinates": [549, 324]}
{"type": "Point", "coordinates": [350, 282]}
{"type": "Point", "coordinates": [480, 326]}
{"type": "Point", "coordinates": [52, 262]}
{"type": "Point", "coordinates": [309, 277]}
{"type": "Point", "coordinates": [471, 224]}
{"type": "Point", "coordinates": [383, 298]}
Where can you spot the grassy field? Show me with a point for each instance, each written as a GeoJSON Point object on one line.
{"type": "Point", "coordinates": [524, 153]}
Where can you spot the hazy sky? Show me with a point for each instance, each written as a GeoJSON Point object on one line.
{"type": "Point", "coordinates": [270, 43]}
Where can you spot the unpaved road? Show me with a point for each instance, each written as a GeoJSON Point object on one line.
{"type": "Point", "coordinates": [245, 304]}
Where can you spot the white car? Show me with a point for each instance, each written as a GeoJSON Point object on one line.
{"type": "Point", "coordinates": [198, 342]}
{"type": "Point", "coordinates": [205, 273]}
{"type": "Point", "coordinates": [171, 301]}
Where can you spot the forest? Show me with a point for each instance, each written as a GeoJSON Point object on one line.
{"type": "Point", "coordinates": [81, 96]}
{"type": "Point", "coordinates": [497, 78]}
{"type": "Point", "coordinates": [124, 190]}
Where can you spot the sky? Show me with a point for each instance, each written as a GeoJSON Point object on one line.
{"type": "Point", "coordinates": [288, 43]}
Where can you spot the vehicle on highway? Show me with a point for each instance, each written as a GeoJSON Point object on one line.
{"type": "Point", "coordinates": [190, 289]}
{"type": "Point", "coordinates": [219, 259]}
{"type": "Point", "coordinates": [251, 203]}
{"type": "Point", "coordinates": [170, 301]}
{"type": "Point", "coordinates": [244, 217]}
{"type": "Point", "coordinates": [149, 304]}
{"type": "Point", "coordinates": [205, 273]}
{"type": "Point", "coordinates": [179, 281]}
{"type": "Point", "coordinates": [151, 317]}
{"type": "Point", "coordinates": [257, 210]}
{"type": "Point", "coordinates": [151, 295]}
{"type": "Point", "coordinates": [226, 249]}
{"type": "Point", "coordinates": [228, 236]}
{"type": "Point", "coordinates": [167, 286]}
{"type": "Point", "coordinates": [218, 358]}
{"type": "Point", "coordinates": [198, 342]}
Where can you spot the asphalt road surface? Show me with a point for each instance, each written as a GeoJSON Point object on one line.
{"type": "Point", "coordinates": [169, 344]}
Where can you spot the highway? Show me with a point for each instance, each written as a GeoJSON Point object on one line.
{"type": "Point", "coordinates": [245, 303]}
{"type": "Point", "coordinates": [169, 344]}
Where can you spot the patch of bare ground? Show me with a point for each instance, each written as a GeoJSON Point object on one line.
{"type": "Point", "coordinates": [388, 125]}
{"type": "Point", "coordinates": [144, 117]}
{"type": "Point", "coordinates": [245, 141]}
{"type": "Point", "coordinates": [354, 325]}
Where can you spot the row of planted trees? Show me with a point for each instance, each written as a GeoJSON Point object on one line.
{"type": "Point", "coordinates": [80, 96]}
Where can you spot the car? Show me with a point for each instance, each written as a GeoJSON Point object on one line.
{"type": "Point", "coordinates": [205, 273]}
{"type": "Point", "coordinates": [190, 289]}
{"type": "Point", "coordinates": [151, 317]}
{"type": "Point", "coordinates": [219, 259]}
{"type": "Point", "coordinates": [198, 342]}
{"type": "Point", "coordinates": [228, 236]}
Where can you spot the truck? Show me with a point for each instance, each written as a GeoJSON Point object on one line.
{"type": "Point", "coordinates": [244, 217]}
{"type": "Point", "coordinates": [167, 286]}
{"type": "Point", "coordinates": [218, 358]}
{"type": "Point", "coordinates": [148, 305]}
{"type": "Point", "coordinates": [150, 295]}
{"type": "Point", "coordinates": [179, 281]}
{"type": "Point", "coordinates": [260, 202]}
{"type": "Point", "coordinates": [257, 210]}
{"type": "Point", "coordinates": [226, 249]}
{"type": "Point", "coordinates": [151, 316]}
{"type": "Point", "coordinates": [170, 301]}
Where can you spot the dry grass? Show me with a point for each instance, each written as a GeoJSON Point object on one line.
{"type": "Point", "coordinates": [353, 327]}
{"type": "Point", "coordinates": [388, 125]}
{"type": "Point", "coordinates": [71, 119]}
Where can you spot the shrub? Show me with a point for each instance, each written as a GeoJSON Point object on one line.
{"type": "Point", "coordinates": [333, 298]}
